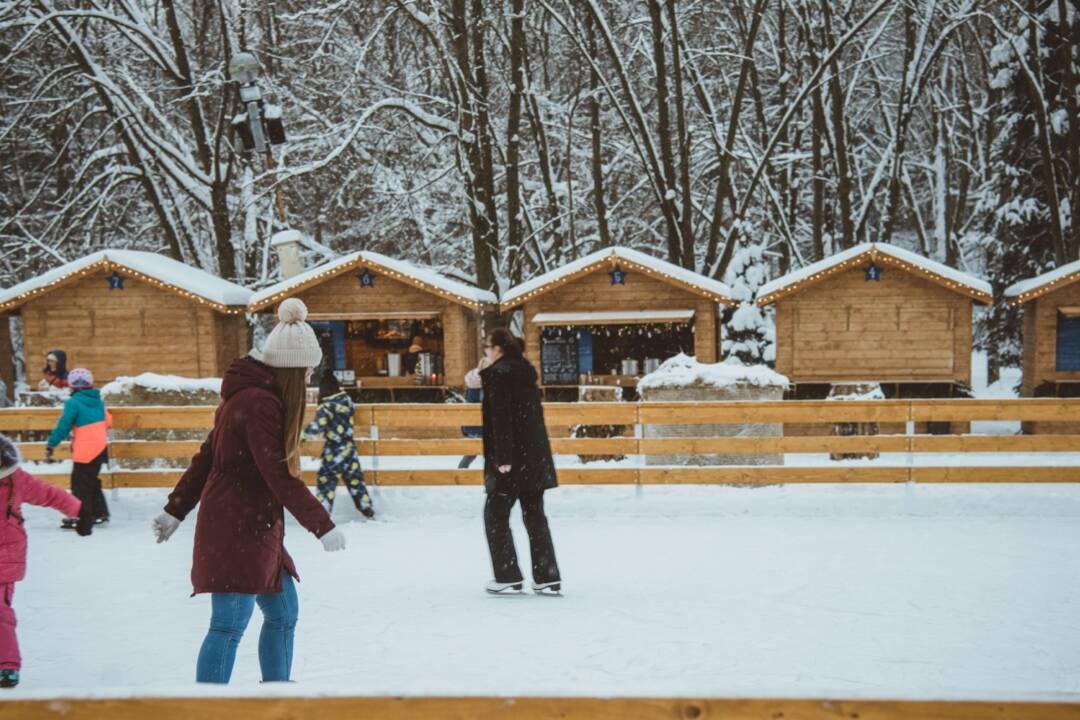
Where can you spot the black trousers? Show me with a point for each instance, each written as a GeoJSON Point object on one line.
{"type": "Point", "coordinates": [86, 485]}
{"type": "Point", "coordinates": [501, 542]}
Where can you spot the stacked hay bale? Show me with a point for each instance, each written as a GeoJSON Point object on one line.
{"type": "Point", "coordinates": [154, 389]}
{"type": "Point", "coordinates": [684, 379]}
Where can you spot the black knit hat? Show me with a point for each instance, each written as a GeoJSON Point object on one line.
{"type": "Point", "coordinates": [9, 456]}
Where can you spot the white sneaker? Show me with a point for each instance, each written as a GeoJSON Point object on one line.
{"type": "Point", "coordinates": [510, 588]}
{"type": "Point", "coordinates": [548, 588]}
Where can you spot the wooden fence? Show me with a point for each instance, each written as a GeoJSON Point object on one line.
{"type": "Point", "coordinates": [383, 432]}
{"type": "Point", "coordinates": [487, 708]}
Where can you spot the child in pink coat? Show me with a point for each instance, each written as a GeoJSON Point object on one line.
{"type": "Point", "coordinates": [17, 487]}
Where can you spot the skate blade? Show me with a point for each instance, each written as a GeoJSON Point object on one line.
{"type": "Point", "coordinates": [509, 591]}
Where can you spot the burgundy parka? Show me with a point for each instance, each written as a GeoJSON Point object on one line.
{"type": "Point", "coordinates": [241, 477]}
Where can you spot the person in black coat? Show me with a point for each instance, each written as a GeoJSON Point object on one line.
{"type": "Point", "coordinates": [517, 465]}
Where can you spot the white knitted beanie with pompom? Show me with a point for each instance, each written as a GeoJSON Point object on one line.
{"type": "Point", "coordinates": [292, 342]}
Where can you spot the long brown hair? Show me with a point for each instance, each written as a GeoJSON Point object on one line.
{"type": "Point", "coordinates": [291, 384]}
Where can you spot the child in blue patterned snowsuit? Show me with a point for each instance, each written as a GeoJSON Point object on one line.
{"type": "Point", "coordinates": [340, 461]}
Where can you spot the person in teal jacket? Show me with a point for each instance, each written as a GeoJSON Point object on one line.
{"type": "Point", "coordinates": [87, 422]}
{"type": "Point", "coordinates": [340, 461]}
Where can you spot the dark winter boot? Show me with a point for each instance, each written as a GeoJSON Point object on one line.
{"type": "Point", "coordinates": [9, 678]}
{"type": "Point", "coordinates": [68, 523]}
{"type": "Point", "coordinates": [363, 504]}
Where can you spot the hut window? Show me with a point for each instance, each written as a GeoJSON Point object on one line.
{"type": "Point", "coordinates": [1068, 343]}
{"type": "Point", "coordinates": [364, 345]}
{"type": "Point", "coordinates": [567, 351]}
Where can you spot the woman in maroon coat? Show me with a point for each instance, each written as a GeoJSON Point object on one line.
{"type": "Point", "coordinates": [245, 473]}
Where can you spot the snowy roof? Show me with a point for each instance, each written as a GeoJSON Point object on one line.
{"type": "Point", "coordinates": [1047, 282]}
{"type": "Point", "coordinates": [685, 371]}
{"type": "Point", "coordinates": [614, 317]}
{"type": "Point", "coordinates": [192, 283]}
{"type": "Point", "coordinates": [423, 278]}
{"type": "Point", "coordinates": [888, 254]}
{"type": "Point", "coordinates": [639, 261]}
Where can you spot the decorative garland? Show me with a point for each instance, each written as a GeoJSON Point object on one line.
{"type": "Point", "coordinates": [628, 330]}
{"type": "Point", "coordinates": [116, 268]}
{"type": "Point", "coordinates": [341, 269]}
{"type": "Point", "coordinates": [615, 261]}
{"type": "Point", "coordinates": [1044, 289]}
{"type": "Point", "coordinates": [874, 256]}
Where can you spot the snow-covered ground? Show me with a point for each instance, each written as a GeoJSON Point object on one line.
{"type": "Point", "coordinates": [1004, 388]}
{"type": "Point", "coordinates": [857, 591]}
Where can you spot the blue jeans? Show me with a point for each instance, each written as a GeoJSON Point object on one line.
{"type": "Point", "coordinates": [230, 613]}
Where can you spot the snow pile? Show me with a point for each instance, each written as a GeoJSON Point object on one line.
{"type": "Point", "coordinates": [685, 371]}
{"type": "Point", "coordinates": [1006, 387]}
{"type": "Point", "coordinates": [873, 393]}
{"type": "Point", "coordinates": [153, 382]}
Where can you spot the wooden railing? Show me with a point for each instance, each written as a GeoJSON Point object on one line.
{"type": "Point", "coordinates": [534, 708]}
{"type": "Point", "coordinates": [384, 431]}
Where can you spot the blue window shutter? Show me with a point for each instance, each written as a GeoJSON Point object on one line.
{"type": "Point", "coordinates": [585, 359]}
{"type": "Point", "coordinates": [1068, 343]}
{"type": "Point", "coordinates": [337, 327]}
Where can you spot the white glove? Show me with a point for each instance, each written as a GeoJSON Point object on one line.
{"type": "Point", "coordinates": [164, 526]}
{"type": "Point", "coordinates": [333, 541]}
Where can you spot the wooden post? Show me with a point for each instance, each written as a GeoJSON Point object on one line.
{"type": "Point", "coordinates": [7, 360]}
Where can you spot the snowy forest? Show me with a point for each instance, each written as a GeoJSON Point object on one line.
{"type": "Point", "coordinates": [497, 139]}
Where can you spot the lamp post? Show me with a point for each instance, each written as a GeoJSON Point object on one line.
{"type": "Point", "coordinates": [260, 126]}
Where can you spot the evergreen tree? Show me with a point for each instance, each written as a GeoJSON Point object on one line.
{"type": "Point", "coordinates": [1031, 66]}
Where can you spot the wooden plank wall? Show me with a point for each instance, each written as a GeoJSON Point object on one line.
{"type": "Point", "coordinates": [233, 335]}
{"type": "Point", "coordinates": [1040, 349]}
{"type": "Point", "coordinates": [595, 293]}
{"type": "Point", "coordinates": [343, 294]}
{"type": "Point", "coordinates": [532, 708]}
{"type": "Point", "coordinates": [457, 343]}
{"type": "Point", "coordinates": [901, 328]}
{"type": "Point", "coordinates": [122, 332]}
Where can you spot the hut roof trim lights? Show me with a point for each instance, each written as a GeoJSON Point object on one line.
{"type": "Point", "coordinates": [196, 285]}
{"type": "Point", "coordinates": [633, 260]}
{"type": "Point", "coordinates": [613, 317]}
{"type": "Point", "coordinates": [888, 255]}
{"type": "Point", "coordinates": [1031, 288]}
{"type": "Point", "coordinates": [419, 277]}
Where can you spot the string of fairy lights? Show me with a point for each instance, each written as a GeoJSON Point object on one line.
{"type": "Point", "coordinates": [608, 260]}
{"type": "Point", "coordinates": [114, 266]}
{"type": "Point", "coordinates": [334, 271]}
{"type": "Point", "coordinates": [874, 256]}
{"type": "Point", "coordinates": [614, 260]}
{"type": "Point", "coordinates": [1045, 288]}
{"type": "Point", "coordinates": [635, 330]}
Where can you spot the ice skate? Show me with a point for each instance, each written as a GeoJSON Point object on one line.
{"type": "Point", "coordinates": [510, 588]}
{"type": "Point", "coordinates": [548, 588]}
